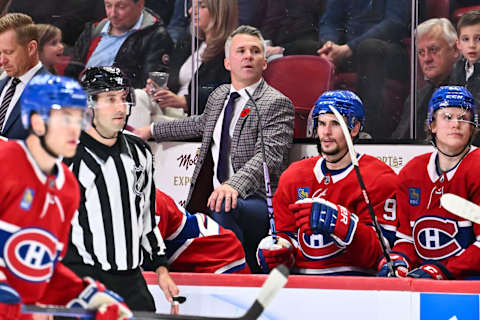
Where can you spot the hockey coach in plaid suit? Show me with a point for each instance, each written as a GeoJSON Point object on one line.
{"type": "Point", "coordinates": [228, 178]}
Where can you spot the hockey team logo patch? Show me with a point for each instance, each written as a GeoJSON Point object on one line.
{"type": "Point", "coordinates": [317, 246]}
{"type": "Point", "coordinates": [414, 196]}
{"type": "Point", "coordinates": [302, 193]}
{"type": "Point", "coordinates": [434, 238]}
{"type": "Point", "coordinates": [27, 199]}
{"type": "Point", "coordinates": [30, 254]}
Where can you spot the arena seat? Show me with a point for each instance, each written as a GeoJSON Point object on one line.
{"type": "Point", "coordinates": [302, 78]}
{"type": "Point", "coordinates": [438, 8]}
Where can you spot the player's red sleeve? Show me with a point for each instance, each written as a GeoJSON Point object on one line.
{"type": "Point", "coordinates": [64, 286]}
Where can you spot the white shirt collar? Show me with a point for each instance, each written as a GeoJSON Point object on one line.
{"type": "Point", "coordinates": [251, 89]}
{"type": "Point", "coordinates": [27, 76]}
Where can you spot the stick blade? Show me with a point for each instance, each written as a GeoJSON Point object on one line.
{"type": "Point", "coordinates": [461, 207]}
{"type": "Point", "coordinates": [276, 280]}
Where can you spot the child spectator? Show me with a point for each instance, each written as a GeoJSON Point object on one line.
{"type": "Point", "coordinates": [50, 46]}
{"type": "Point", "coordinates": [466, 71]}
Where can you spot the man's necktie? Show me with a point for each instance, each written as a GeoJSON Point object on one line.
{"type": "Point", "coordinates": [222, 168]}
{"type": "Point", "coordinates": [6, 101]}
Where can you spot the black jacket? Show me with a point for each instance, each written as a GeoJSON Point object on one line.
{"type": "Point", "coordinates": [459, 78]}
{"type": "Point", "coordinates": [147, 49]}
{"type": "Point", "coordinates": [211, 73]}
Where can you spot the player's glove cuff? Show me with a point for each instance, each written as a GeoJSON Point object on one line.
{"type": "Point", "coordinates": [270, 254]}
{"type": "Point", "coordinates": [400, 265]}
{"type": "Point", "coordinates": [96, 297]}
{"type": "Point", "coordinates": [431, 269]}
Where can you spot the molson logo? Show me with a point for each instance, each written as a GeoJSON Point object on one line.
{"type": "Point", "coordinates": [188, 160]}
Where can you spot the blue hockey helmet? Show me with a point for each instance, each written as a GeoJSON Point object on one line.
{"type": "Point", "coordinates": [452, 96]}
{"type": "Point", "coordinates": [347, 104]}
{"type": "Point", "coordinates": [46, 92]}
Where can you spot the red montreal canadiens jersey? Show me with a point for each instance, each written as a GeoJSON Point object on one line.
{"type": "Point", "coordinates": [35, 215]}
{"type": "Point", "coordinates": [318, 254]}
{"type": "Point", "coordinates": [196, 243]}
{"type": "Point", "coordinates": [428, 232]}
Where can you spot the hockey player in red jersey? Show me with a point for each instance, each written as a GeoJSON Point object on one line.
{"type": "Point", "coordinates": [321, 217]}
{"type": "Point", "coordinates": [431, 242]}
{"type": "Point", "coordinates": [38, 197]}
{"type": "Point", "coordinates": [196, 243]}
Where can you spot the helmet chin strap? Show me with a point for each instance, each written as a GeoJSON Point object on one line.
{"type": "Point", "coordinates": [467, 146]}
{"type": "Point", "coordinates": [43, 143]}
{"type": "Point", "coordinates": [100, 134]}
{"type": "Point", "coordinates": [98, 131]}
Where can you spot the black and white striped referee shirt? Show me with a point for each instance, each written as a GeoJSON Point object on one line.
{"type": "Point", "coordinates": [116, 216]}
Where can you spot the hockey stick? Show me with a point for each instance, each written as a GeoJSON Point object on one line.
{"type": "Point", "coordinates": [461, 207]}
{"type": "Point", "coordinates": [275, 281]}
{"type": "Point", "coordinates": [353, 157]}
{"type": "Point", "coordinates": [266, 175]}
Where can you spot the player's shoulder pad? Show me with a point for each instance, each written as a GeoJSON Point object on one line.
{"type": "Point", "coordinates": [296, 168]}
{"type": "Point", "coordinates": [416, 162]}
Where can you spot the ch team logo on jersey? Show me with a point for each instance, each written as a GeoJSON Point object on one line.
{"type": "Point", "coordinates": [414, 196]}
{"type": "Point", "coordinates": [318, 246]}
{"type": "Point", "coordinates": [27, 199]}
{"type": "Point", "coordinates": [303, 193]}
{"type": "Point", "coordinates": [434, 238]}
{"type": "Point", "coordinates": [31, 254]}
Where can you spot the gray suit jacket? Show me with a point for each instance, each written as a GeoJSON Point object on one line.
{"type": "Point", "coordinates": [246, 156]}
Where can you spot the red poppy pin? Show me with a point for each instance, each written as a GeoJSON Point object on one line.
{"type": "Point", "coordinates": [245, 112]}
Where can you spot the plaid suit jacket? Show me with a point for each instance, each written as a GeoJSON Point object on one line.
{"type": "Point", "coordinates": [246, 156]}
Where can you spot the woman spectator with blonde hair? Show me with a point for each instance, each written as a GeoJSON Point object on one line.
{"type": "Point", "coordinates": [50, 46]}
{"type": "Point", "coordinates": [215, 20]}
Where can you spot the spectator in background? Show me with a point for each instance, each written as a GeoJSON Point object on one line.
{"type": "Point", "coordinates": [290, 24]}
{"type": "Point", "coordinates": [230, 160]}
{"type": "Point", "coordinates": [178, 24]}
{"type": "Point", "coordinates": [50, 46]}
{"type": "Point", "coordinates": [437, 53]}
{"type": "Point", "coordinates": [364, 36]}
{"type": "Point", "coordinates": [466, 71]}
{"type": "Point", "coordinates": [131, 37]}
{"type": "Point", "coordinates": [19, 59]}
{"type": "Point", "coordinates": [216, 19]}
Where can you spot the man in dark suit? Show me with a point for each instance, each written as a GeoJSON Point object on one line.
{"type": "Point", "coordinates": [230, 160]}
{"type": "Point", "coordinates": [19, 59]}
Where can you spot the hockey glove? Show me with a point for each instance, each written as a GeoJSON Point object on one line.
{"type": "Point", "coordinates": [270, 255]}
{"type": "Point", "coordinates": [108, 304]}
{"type": "Point", "coordinates": [10, 303]}
{"type": "Point", "coordinates": [399, 263]}
{"type": "Point", "coordinates": [328, 219]}
{"type": "Point", "coordinates": [431, 270]}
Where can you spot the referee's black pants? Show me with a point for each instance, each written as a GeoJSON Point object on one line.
{"type": "Point", "coordinates": [130, 285]}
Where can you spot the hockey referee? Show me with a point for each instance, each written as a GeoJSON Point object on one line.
{"type": "Point", "coordinates": [116, 216]}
